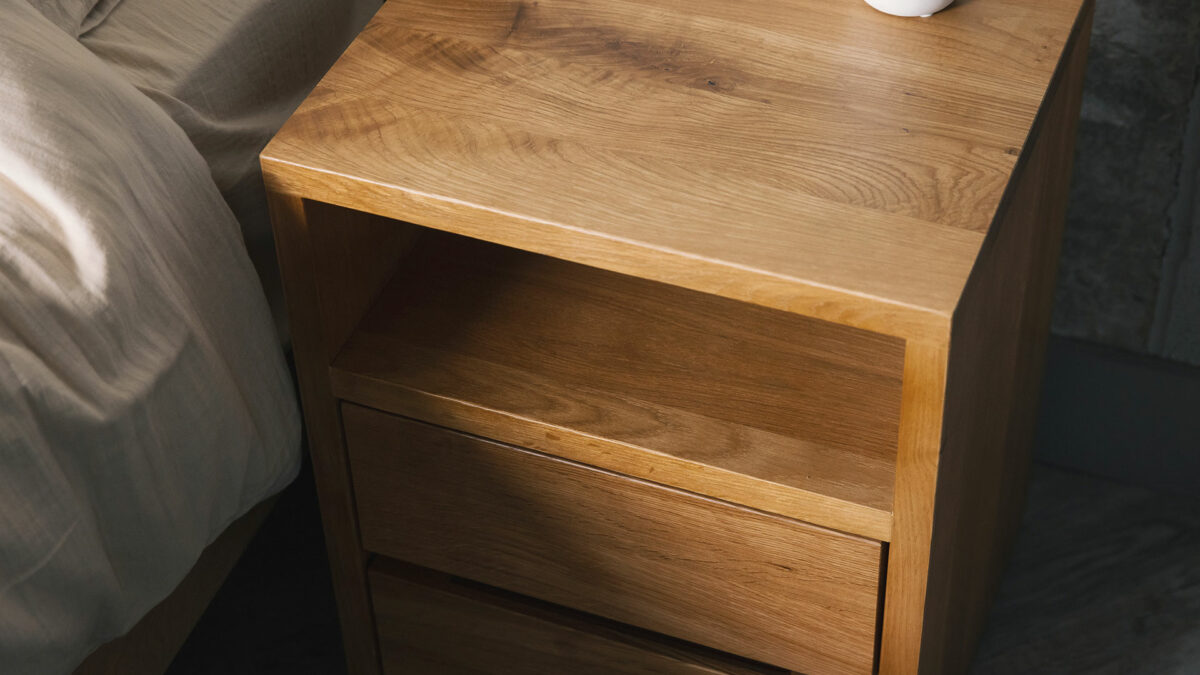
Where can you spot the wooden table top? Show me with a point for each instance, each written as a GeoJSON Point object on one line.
{"type": "Point", "coordinates": [815, 156]}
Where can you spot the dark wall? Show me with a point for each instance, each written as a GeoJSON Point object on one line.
{"type": "Point", "coordinates": [1130, 270]}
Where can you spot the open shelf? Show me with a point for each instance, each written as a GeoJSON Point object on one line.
{"type": "Point", "coordinates": [759, 407]}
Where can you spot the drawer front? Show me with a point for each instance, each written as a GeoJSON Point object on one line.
{"type": "Point", "coordinates": [764, 587]}
{"type": "Point", "coordinates": [437, 625]}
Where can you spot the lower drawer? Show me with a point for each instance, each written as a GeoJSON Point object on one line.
{"type": "Point", "coordinates": [764, 587]}
{"type": "Point", "coordinates": [437, 625]}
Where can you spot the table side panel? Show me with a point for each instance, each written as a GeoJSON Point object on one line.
{"type": "Point", "coordinates": [916, 478]}
{"type": "Point", "coordinates": [994, 380]}
{"type": "Point", "coordinates": [333, 263]}
{"type": "Point", "coordinates": [936, 607]}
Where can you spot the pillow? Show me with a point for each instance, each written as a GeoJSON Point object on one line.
{"type": "Point", "coordinates": [74, 17]}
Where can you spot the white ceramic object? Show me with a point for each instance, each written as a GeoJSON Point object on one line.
{"type": "Point", "coordinates": [910, 7]}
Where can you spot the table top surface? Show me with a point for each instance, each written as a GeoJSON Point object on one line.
{"type": "Point", "coordinates": [812, 155]}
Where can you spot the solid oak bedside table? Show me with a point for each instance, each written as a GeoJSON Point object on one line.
{"type": "Point", "coordinates": [662, 336]}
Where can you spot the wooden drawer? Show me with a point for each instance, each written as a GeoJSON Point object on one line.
{"type": "Point", "coordinates": [432, 623]}
{"type": "Point", "coordinates": [765, 587]}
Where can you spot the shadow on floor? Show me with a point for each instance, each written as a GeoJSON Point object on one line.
{"type": "Point", "coordinates": [1104, 578]}
{"type": "Point", "coordinates": [275, 614]}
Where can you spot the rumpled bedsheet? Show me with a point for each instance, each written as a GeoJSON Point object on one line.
{"type": "Point", "coordinates": [144, 400]}
{"type": "Point", "coordinates": [230, 73]}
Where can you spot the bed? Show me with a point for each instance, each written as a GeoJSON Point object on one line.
{"type": "Point", "coordinates": [146, 412]}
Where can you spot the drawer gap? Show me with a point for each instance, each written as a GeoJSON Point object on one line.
{"type": "Point", "coordinates": [404, 593]}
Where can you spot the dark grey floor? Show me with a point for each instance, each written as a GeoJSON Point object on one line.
{"type": "Point", "coordinates": [1105, 578]}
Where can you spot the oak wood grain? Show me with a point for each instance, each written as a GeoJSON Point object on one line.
{"type": "Point", "coordinates": [333, 262]}
{"type": "Point", "coordinates": [921, 421]}
{"type": "Point", "coordinates": [902, 177]}
{"type": "Point", "coordinates": [993, 381]}
{"type": "Point", "coordinates": [764, 587]}
{"type": "Point", "coordinates": [779, 412]}
{"type": "Point", "coordinates": [960, 484]}
{"type": "Point", "coordinates": [431, 623]}
{"type": "Point", "coordinates": [808, 155]}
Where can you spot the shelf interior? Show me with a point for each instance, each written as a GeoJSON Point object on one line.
{"type": "Point", "coordinates": [770, 410]}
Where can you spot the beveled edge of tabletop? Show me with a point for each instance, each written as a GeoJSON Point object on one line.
{"type": "Point", "coordinates": [705, 274]}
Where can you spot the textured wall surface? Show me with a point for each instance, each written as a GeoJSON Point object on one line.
{"type": "Point", "coordinates": [1130, 269]}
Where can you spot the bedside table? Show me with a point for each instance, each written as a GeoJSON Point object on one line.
{"type": "Point", "coordinates": [642, 336]}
